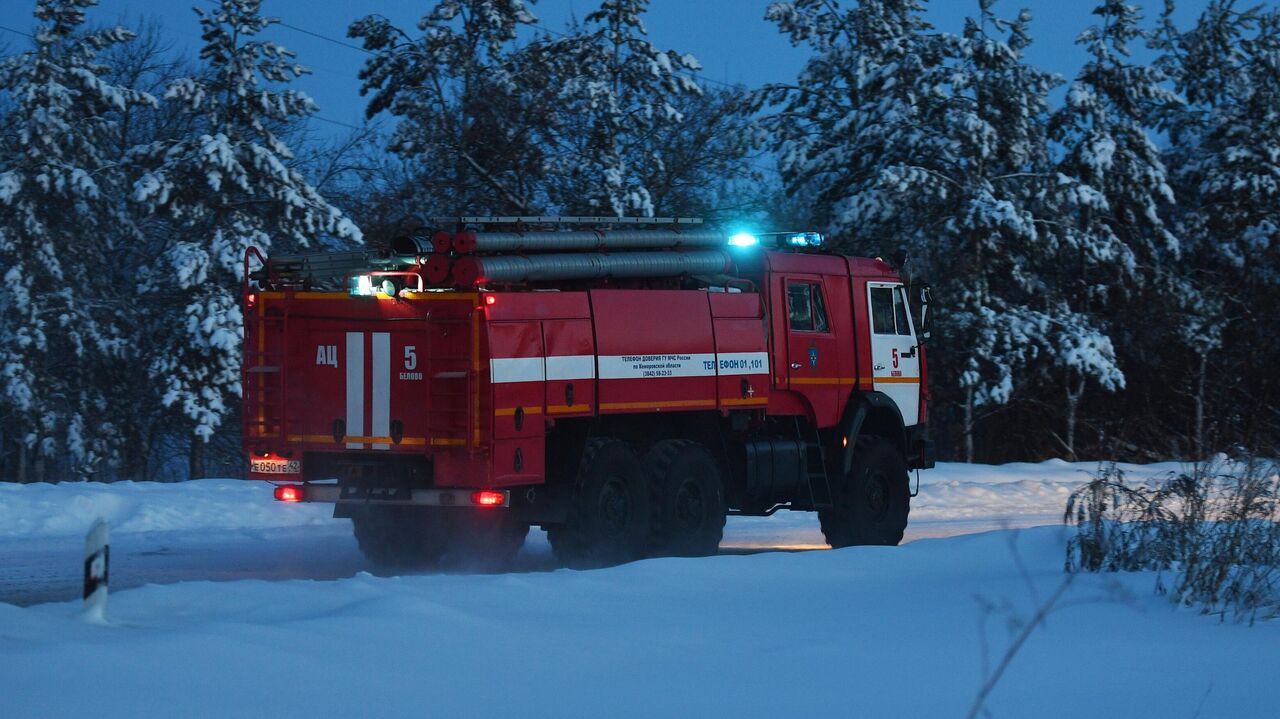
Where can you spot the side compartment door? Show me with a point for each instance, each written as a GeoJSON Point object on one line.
{"type": "Point", "coordinates": [517, 373]}
{"type": "Point", "coordinates": [813, 364]}
{"type": "Point", "coordinates": [895, 358]}
{"type": "Point", "coordinates": [571, 367]}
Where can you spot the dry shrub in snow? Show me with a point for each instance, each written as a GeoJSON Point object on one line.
{"type": "Point", "coordinates": [1212, 534]}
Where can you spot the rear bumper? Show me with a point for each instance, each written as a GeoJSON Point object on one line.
{"type": "Point", "coordinates": [335, 494]}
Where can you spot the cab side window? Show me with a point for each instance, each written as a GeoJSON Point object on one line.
{"type": "Point", "coordinates": [882, 311]}
{"type": "Point", "coordinates": [805, 306]}
{"type": "Point", "coordinates": [900, 310]}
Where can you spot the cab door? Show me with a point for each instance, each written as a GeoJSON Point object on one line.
{"type": "Point", "coordinates": [895, 352]}
{"type": "Point", "coordinates": [813, 364]}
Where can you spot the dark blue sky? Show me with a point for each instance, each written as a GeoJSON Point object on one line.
{"type": "Point", "coordinates": [729, 37]}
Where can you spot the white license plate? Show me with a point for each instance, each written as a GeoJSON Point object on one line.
{"type": "Point", "coordinates": [275, 466]}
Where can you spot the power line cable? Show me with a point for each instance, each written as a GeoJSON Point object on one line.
{"type": "Point", "coordinates": [358, 48]}
{"type": "Point", "coordinates": [340, 43]}
{"type": "Point", "coordinates": [17, 32]}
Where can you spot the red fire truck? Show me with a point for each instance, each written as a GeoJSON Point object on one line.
{"type": "Point", "coordinates": [623, 383]}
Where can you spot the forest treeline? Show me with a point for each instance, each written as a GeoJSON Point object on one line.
{"type": "Point", "coordinates": [1104, 249]}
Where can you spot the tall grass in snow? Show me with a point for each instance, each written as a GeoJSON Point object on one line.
{"type": "Point", "coordinates": [1212, 533]}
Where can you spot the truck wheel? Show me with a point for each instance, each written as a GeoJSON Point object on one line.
{"type": "Point", "coordinates": [690, 498]}
{"type": "Point", "coordinates": [610, 509]}
{"type": "Point", "coordinates": [484, 539]}
{"type": "Point", "coordinates": [401, 537]}
{"type": "Point", "coordinates": [872, 502]}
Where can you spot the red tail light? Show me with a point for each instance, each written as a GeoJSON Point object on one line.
{"type": "Point", "coordinates": [289, 493]}
{"type": "Point", "coordinates": [489, 498]}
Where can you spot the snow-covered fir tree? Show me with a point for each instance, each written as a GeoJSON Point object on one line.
{"type": "Point", "coordinates": [860, 106]}
{"type": "Point", "coordinates": [1001, 229]}
{"type": "Point", "coordinates": [616, 90]}
{"type": "Point", "coordinates": [1103, 133]}
{"type": "Point", "coordinates": [471, 105]}
{"type": "Point", "coordinates": [1117, 242]}
{"type": "Point", "coordinates": [223, 189]}
{"type": "Point", "coordinates": [58, 223]}
{"type": "Point", "coordinates": [1224, 160]}
{"type": "Point", "coordinates": [1228, 139]}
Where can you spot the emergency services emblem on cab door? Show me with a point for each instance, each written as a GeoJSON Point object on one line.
{"type": "Point", "coordinates": [813, 358]}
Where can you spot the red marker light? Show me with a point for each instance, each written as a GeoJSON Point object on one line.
{"type": "Point", "coordinates": [488, 498]}
{"type": "Point", "coordinates": [251, 300]}
{"type": "Point", "coordinates": [490, 300]}
{"type": "Point", "coordinates": [289, 493]}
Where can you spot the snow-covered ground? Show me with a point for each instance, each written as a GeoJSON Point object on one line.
{"type": "Point", "coordinates": [874, 631]}
{"type": "Point", "coordinates": [231, 529]}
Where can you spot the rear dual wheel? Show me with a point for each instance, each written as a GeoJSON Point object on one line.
{"type": "Point", "coordinates": [401, 537]}
{"type": "Point", "coordinates": [484, 539]}
{"type": "Point", "coordinates": [610, 509]}
{"type": "Point", "coordinates": [686, 488]}
{"type": "Point", "coordinates": [421, 537]}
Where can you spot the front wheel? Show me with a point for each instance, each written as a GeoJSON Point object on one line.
{"type": "Point", "coordinates": [871, 501]}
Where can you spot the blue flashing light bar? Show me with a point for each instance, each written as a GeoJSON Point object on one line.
{"type": "Point", "coordinates": [804, 239]}
{"type": "Point", "coordinates": [744, 239]}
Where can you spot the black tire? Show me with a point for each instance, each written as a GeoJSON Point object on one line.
{"type": "Point", "coordinates": [401, 537]}
{"type": "Point", "coordinates": [484, 539]}
{"type": "Point", "coordinates": [873, 500]}
{"type": "Point", "coordinates": [689, 494]}
{"type": "Point", "coordinates": [610, 510]}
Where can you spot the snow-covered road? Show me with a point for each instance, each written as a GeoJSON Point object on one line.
{"type": "Point", "coordinates": [228, 529]}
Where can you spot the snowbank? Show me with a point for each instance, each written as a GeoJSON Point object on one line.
{"type": "Point", "coordinates": [863, 631]}
{"type": "Point", "coordinates": [69, 508]}
{"type": "Point", "coordinates": [1022, 492]}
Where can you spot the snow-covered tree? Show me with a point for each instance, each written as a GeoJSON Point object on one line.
{"type": "Point", "coordinates": [862, 104]}
{"type": "Point", "coordinates": [1224, 159]}
{"type": "Point", "coordinates": [1102, 130]}
{"type": "Point", "coordinates": [471, 106]}
{"type": "Point", "coordinates": [1117, 241]}
{"type": "Point", "coordinates": [1228, 67]}
{"type": "Point", "coordinates": [58, 225]}
{"type": "Point", "coordinates": [702, 166]}
{"type": "Point", "coordinates": [225, 188]}
{"type": "Point", "coordinates": [999, 230]}
{"type": "Point", "coordinates": [617, 91]}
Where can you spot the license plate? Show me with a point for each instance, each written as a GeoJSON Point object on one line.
{"type": "Point", "coordinates": [275, 466]}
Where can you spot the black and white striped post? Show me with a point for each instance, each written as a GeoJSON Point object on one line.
{"type": "Point", "coordinates": [97, 555]}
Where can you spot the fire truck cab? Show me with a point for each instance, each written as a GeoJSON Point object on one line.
{"type": "Point", "coordinates": [625, 386]}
